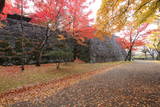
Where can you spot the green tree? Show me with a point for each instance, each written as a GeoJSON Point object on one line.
{"type": "Point", "coordinates": [6, 52]}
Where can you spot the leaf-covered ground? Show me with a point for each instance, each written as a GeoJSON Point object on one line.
{"type": "Point", "coordinates": [39, 83]}
{"type": "Point", "coordinates": [129, 85]}
{"type": "Point", "coordinates": [11, 76]}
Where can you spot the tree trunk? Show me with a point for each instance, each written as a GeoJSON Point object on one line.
{"type": "Point", "coordinates": [58, 66]}
{"type": "Point", "coordinates": [22, 41]}
{"type": "Point", "coordinates": [22, 67]}
{"type": "Point", "coordinates": [75, 50]}
{"type": "Point", "coordinates": [23, 53]}
{"type": "Point", "coordinates": [151, 54]}
{"type": "Point", "coordinates": [152, 57]}
{"type": "Point", "coordinates": [38, 59]}
{"type": "Point", "coordinates": [129, 55]}
{"type": "Point", "coordinates": [158, 56]}
{"type": "Point", "coordinates": [2, 4]}
{"type": "Point", "coordinates": [41, 49]}
{"type": "Point", "coordinates": [145, 55]}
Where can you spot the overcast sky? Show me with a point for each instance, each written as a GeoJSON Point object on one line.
{"type": "Point", "coordinates": [94, 7]}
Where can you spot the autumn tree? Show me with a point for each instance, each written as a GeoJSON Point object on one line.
{"type": "Point", "coordinates": [146, 11]}
{"type": "Point", "coordinates": [151, 51]}
{"type": "Point", "coordinates": [79, 28]}
{"type": "Point", "coordinates": [47, 14]}
{"type": "Point", "coordinates": [113, 15]}
{"type": "Point", "coordinates": [145, 51]}
{"type": "Point", "coordinates": [132, 38]}
{"type": "Point", "coordinates": [154, 41]}
{"type": "Point", "coordinates": [62, 15]}
{"type": "Point", "coordinates": [78, 17]}
{"type": "Point", "coordinates": [9, 8]}
{"type": "Point", "coordinates": [21, 5]}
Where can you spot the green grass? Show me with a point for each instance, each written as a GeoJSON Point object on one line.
{"type": "Point", "coordinates": [143, 56]}
{"type": "Point", "coordinates": [33, 75]}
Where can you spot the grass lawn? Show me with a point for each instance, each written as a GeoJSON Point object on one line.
{"type": "Point", "coordinates": [11, 77]}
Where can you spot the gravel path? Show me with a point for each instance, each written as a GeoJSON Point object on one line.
{"type": "Point", "coordinates": [129, 85]}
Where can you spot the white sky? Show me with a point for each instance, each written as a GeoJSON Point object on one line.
{"type": "Point", "coordinates": [94, 7]}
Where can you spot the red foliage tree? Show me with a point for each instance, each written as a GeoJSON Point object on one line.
{"type": "Point", "coordinates": [9, 9]}
{"type": "Point", "coordinates": [68, 15]}
{"type": "Point", "coordinates": [64, 15]}
{"type": "Point", "coordinates": [132, 38]}
{"type": "Point", "coordinates": [71, 16]}
{"type": "Point", "coordinates": [79, 19]}
{"type": "Point", "coordinates": [49, 14]}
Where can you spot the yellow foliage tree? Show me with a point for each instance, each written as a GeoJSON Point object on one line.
{"type": "Point", "coordinates": [154, 41]}
{"type": "Point", "coordinates": [113, 15]}
{"type": "Point", "coordinates": [147, 11]}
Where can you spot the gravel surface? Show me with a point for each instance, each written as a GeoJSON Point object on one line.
{"type": "Point", "coordinates": [130, 85]}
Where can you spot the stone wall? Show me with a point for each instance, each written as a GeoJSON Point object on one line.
{"type": "Point", "coordinates": [35, 34]}
{"type": "Point", "coordinates": [106, 50]}
{"type": "Point", "coordinates": [96, 51]}
{"type": "Point", "coordinates": [12, 31]}
{"type": "Point", "coordinates": [13, 28]}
